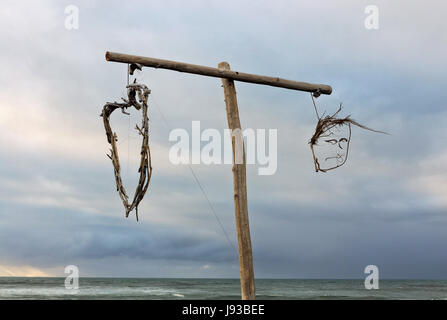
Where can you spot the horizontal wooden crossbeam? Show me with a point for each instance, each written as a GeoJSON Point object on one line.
{"type": "Point", "coordinates": [218, 73]}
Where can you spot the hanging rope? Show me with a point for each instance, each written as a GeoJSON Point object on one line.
{"type": "Point", "coordinates": [197, 181]}
{"type": "Point", "coordinates": [315, 106]}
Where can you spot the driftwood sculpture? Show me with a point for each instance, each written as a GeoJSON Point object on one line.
{"type": "Point", "coordinates": [137, 95]}
{"type": "Point", "coordinates": [329, 132]}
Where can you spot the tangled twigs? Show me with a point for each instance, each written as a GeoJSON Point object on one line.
{"type": "Point", "coordinates": [325, 133]}
{"type": "Point", "coordinates": [137, 97]}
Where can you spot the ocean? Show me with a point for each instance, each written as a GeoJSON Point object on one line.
{"type": "Point", "coordinates": [162, 289]}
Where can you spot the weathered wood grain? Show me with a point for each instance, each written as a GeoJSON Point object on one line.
{"type": "Point", "coordinates": [240, 191]}
{"type": "Point", "coordinates": [218, 73]}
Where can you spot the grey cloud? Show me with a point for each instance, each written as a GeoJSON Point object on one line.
{"type": "Point", "coordinates": [375, 209]}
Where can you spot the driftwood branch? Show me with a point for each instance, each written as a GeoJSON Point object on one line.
{"type": "Point", "coordinates": [139, 61]}
{"type": "Point", "coordinates": [137, 95]}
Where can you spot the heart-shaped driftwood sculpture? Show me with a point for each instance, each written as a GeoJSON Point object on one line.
{"type": "Point", "coordinates": [137, 97]}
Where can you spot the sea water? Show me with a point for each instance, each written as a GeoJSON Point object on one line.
{"type": "Point", "coordinates": [141, 288]}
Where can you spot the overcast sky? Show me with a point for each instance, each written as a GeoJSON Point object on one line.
{"type": "Point", "coordinates": [386, 206]}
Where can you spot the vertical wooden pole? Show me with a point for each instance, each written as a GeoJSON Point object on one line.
{"type": "Point", "coordinates": [240, 193]}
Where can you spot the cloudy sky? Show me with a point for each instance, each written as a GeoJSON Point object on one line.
{"type": "Point", "coordinates": [386, 206]}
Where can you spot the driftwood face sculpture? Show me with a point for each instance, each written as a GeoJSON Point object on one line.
{"type": "Point", "coordinates": [137, 97]}
{"type": "Point", "coordinates": [330, 142]}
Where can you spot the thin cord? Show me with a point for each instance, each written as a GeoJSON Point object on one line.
{"type": "Point", "coordinates": [128, 146]}
{"type": "Point", "coordinates": [211, 206]}
{"type": "Point", "coordinates": [315, 106]}
{"type": "Point", "coordinates": [128, 129]}
{"type": "Point", "coordinates": [198, 183]}
{"type": "Point", "coordinates": [128, 71]}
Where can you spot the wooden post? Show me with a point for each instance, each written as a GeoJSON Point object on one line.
{"type": "Point", "coordinates": [240, 193]}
